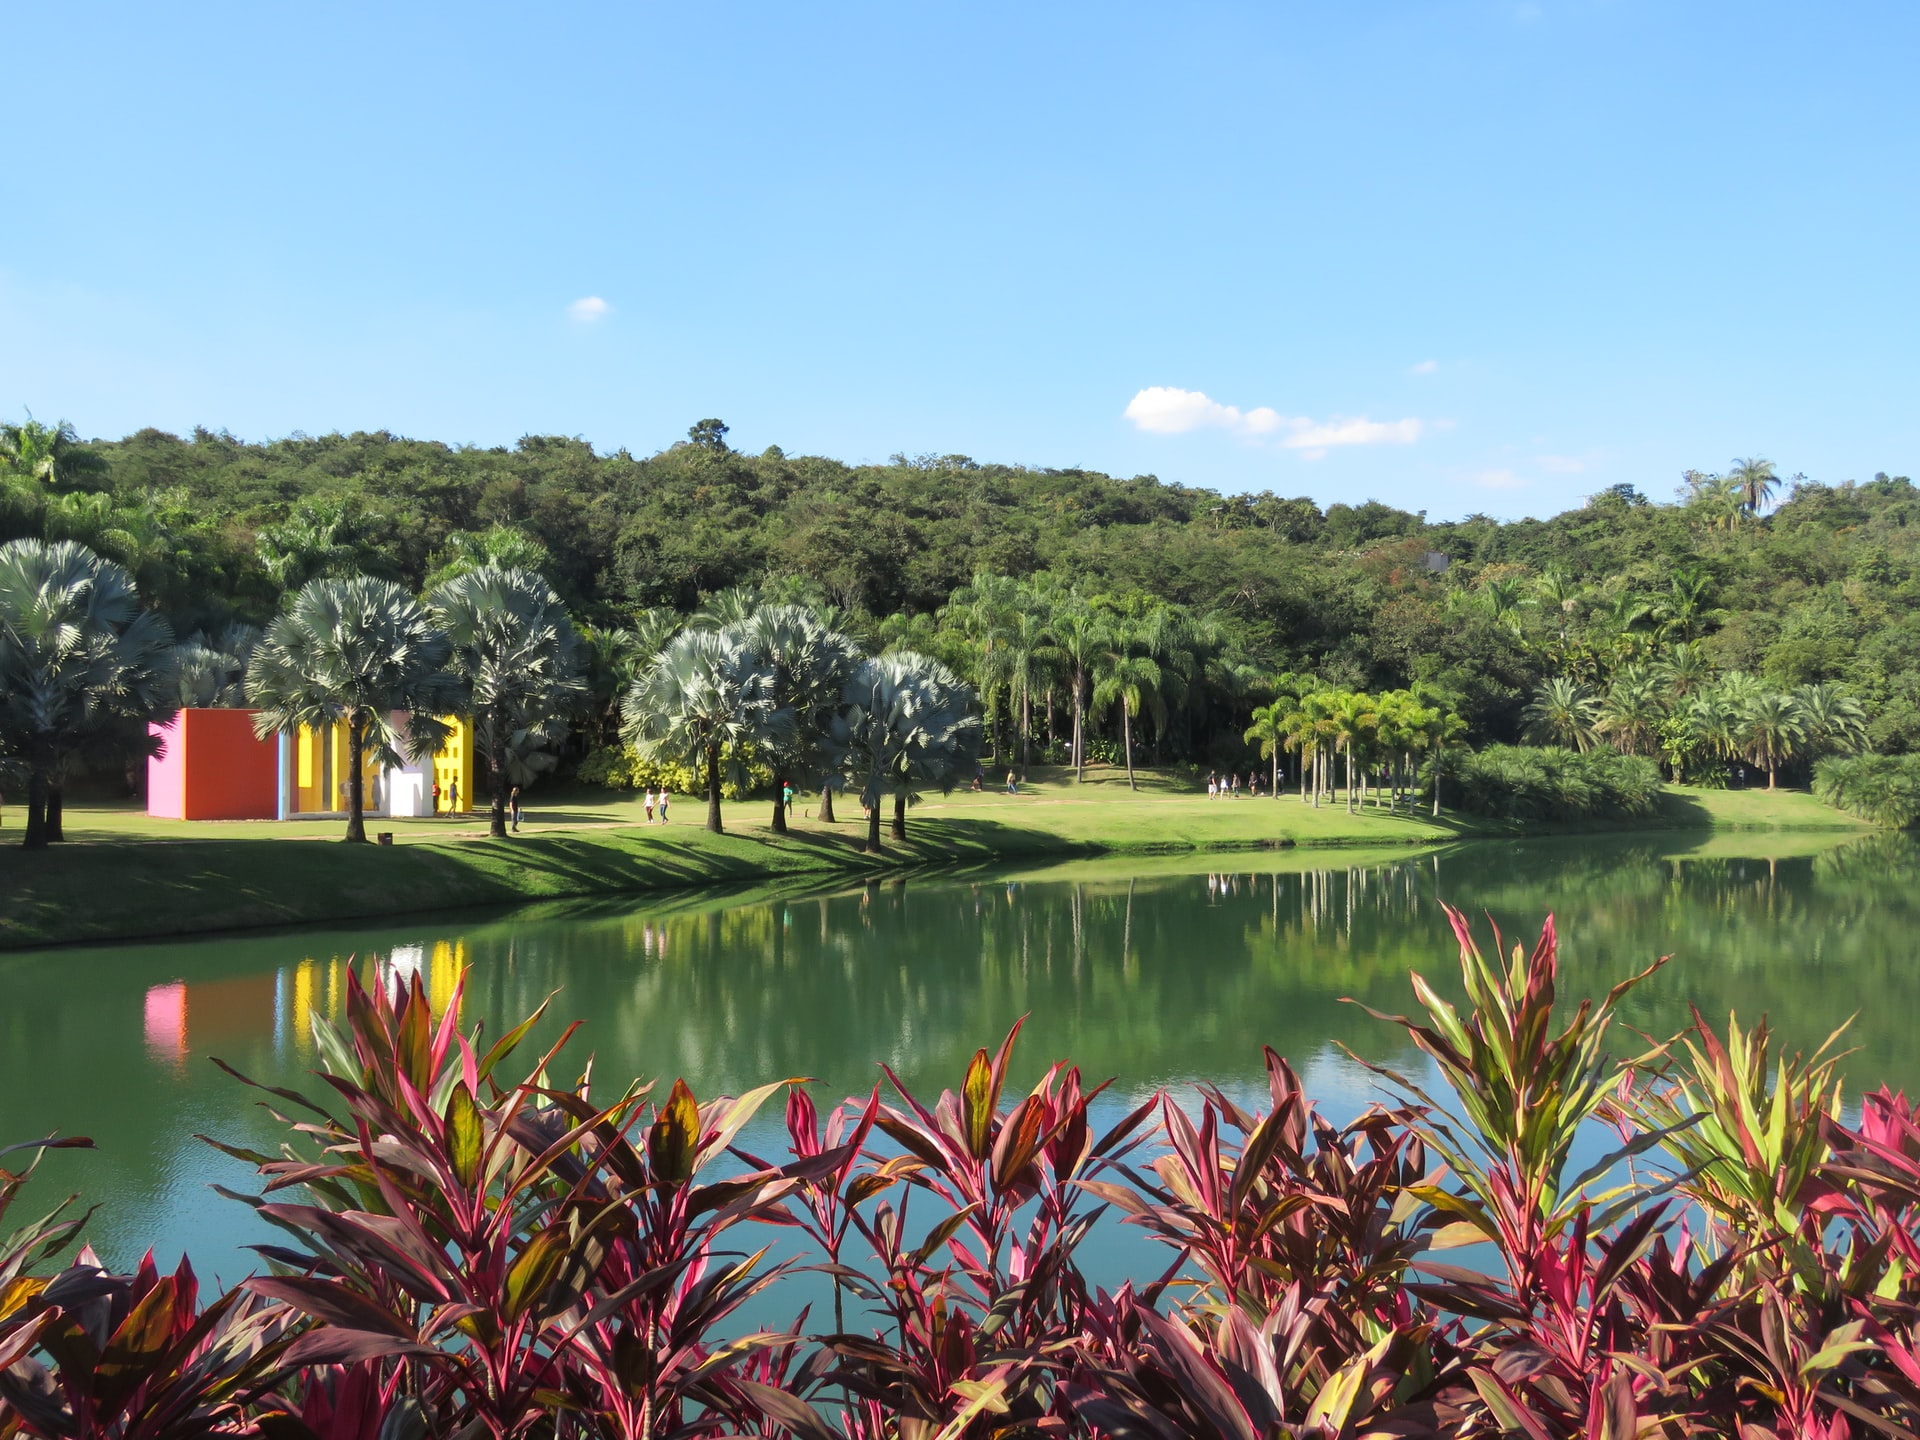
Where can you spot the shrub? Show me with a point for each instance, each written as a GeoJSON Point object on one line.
{"type": "Point", "coordinates": [1882, 788]}
{"type": "Point", "coordinates": [1526, 782]}
{"type": "Point", "coordinates": [466, 1254]}
{"type": "Point", "coordinates": [622, 767]}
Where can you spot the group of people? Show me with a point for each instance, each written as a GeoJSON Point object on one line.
{"type": "Point", "coordinates": [1229, 784]}
{"type": "Point", "coordinates": [656, 799]}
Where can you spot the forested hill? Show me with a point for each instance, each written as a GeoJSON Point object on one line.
{"type": "Point", "coordinates": [1816, 583]}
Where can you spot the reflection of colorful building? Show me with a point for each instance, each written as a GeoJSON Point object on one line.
{"type": "Point", "coordinates": [182, 1019]}
{"type": "Point", "coordinates": [213, 767]}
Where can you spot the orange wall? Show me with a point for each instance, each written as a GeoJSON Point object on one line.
{"type": "Point", "coordinates": [230, 774]}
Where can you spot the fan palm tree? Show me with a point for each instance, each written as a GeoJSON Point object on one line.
{"type": "Point", "coordinates": [904, 719]}
{"type": "Point", "coordinates": [212, 669]}
{"type": "Point", "coordinates": [1754, 481]}
{"type": "Point", "coordinates": [518, 661]}
{"type": "Point", "coordinates": [811, 664]}
{"type": "Point", "coordinates": [708, 698]}
{"type": "Point", "coordinates": [354, 652]}
{"type": "Point", "coordinates": [77, 655]}
{"type": "Point", "coordinates": [1562, 714]}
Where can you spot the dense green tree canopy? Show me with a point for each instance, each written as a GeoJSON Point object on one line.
{"type": "Point", "coordinates": [1793, 581]}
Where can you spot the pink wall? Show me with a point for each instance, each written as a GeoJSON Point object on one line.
{"type": "Point", "coordinates": [215, 768]}
{"type": "Point", "coordinates": [167, 772]}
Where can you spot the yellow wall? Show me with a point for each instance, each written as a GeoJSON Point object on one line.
{"type": "Point", "coordinates": [454, 762]}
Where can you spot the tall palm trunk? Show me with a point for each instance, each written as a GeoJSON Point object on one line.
{"type": "Point", "coordinates": [356, 779]}
{"type": "Point", "coordinates": [899, 831]}
{"type": "Point", "coordinates": [826, 803]}
{"type": "Point", "coordinates": [497, 761]}
{"type": "Point", "coordinates": [1274, 788]}
{"type": "Point", "coordinates": [713, 789]}
{"type": "Point", "coordinates": [36, 838]}
{"type": "Point", "coordinates": [1026, 731]}
{"type": "Point", "coordinates": [873, 828]}
{"type": "Point", "coordinates": [779, 804]}
{"type": "Point", "coordinates": [1126, 741]}
{"type": "Point", "coordinates": [56, 807]}
{"type": "Point", "coordinates": [1079, 739]}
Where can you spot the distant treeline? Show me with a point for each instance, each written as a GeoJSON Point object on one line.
{"type": "Point", "coordinates": [1818, 588]}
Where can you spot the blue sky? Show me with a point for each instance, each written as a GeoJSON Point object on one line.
{"type": "Point", "coordinates": [1457, 257]}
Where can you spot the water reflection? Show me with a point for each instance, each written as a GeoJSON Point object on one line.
{"type": "Point", "coordinates": [1155, 974]}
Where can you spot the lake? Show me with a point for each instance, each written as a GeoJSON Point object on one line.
{"type": "Point", "coordinates": [1154, 972]}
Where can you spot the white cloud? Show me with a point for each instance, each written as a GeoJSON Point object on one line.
{"type": "Point", "coordinates": [588, 309]}
{"type": "Point", "coordinates": [1350, 430]}
{"type": "Point", "coordinates": [1425, 367]}
{"type": "Point", "coordinates": [1168, 410]}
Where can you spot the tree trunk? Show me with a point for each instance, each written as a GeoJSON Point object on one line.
{"type": "Point", "coordinates": [1126, 741]}
{"type": "Point", "coordinates": [1079, 739]}
{"type": "Point", "coordinates": [1770, 774]}
{"type": "Point", "coordinates": [36, 809]}
{"type": "Point", "coordinates": [899, 831]}
{"type": "Point", "coordinates": [497, 758]}
{"type": "Point", "coordinates": [1026, 733]}
{"type": "Point", "coordinates": [826, 803]}
{"type": "Point", "coordinates": [779, 804]}
{"type": "Point", "coordinates": [356, 781]}
{"type": "Point", "coordinates": [1274, 789]}
{"type": "Point", "coordinates": [56, 829]}
{"type": "Point", "coordinates": [713, 789]}
{"type": "Point", "coordinates": [873, 828]}
{"type": "Point", "coordinates": [1436, 784]}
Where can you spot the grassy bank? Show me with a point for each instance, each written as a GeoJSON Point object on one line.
{"type": "Point", "coordinates": [126, 876]}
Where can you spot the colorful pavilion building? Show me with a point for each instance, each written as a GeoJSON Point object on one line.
{"type": "Point", "coordinates": [213, 767]}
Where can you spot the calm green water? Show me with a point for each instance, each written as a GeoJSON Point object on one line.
{"type": "Point", "coordinates": [1153, 978]}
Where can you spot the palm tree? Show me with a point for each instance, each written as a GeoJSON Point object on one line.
{"type": "Point", "coordinates": [1080, 636]}
{"type": "Point", "coordinates": [51, 455]}
{"type": "Point", "coordinates": [211, 670]}
{"type": "Point", "coordinates": [1442, 730]}
{"type": "Point", "coordinates": [983, 611]}
{"type": "Point", "coordinates": [315, 541]}
{"type": "Point", "coordinates": [1754, 481]}
{"type": "Point", "coordinates": [505, 547]}
{"type": "Point", "coordinates": [615, 658]}
{"type": "Point", "coordinates": [1772, 729]}
{"type": "Point", "coordinates": [904, 719]}
{"type": "Point", "coordinates": [1685, 669]}
{"type": "Point", "coordinates": [1355, 721]}
{"type": "Point", "coordinates": [1269, 731]}
{"type": "Point", "coordinates": [354, 652]}
{"type": "Point", "coordinates": [708, 697]}
{"type": "Point", "coordinates": [1562, 714]}
{"type": "Point", "coordinates": [811, 664]}
{"type": "Point", "coordinates": [1132, 679]}
{"type": "Point", "coordinates": [1630, 712]}
{"type": "Point", "coordinates": [1834, 720]}
{"type": "Point", "coordinates": [1028, 658]}
{"type": "Point", "coordinates": [77, 655]}
{"type": "Point", "coordinates": [518, 660]}
{"type": "Point", "coordinates": [1682, 611]}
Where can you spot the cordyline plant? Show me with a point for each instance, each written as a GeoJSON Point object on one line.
{"type": "Point", "coordinates": [467, 1256]}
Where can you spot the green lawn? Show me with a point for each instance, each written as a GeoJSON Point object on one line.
{"type": "Point", "coordinates": [124, 875]}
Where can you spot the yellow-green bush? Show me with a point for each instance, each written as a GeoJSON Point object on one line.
{"type": "Point", "coordinates": [622, 767]}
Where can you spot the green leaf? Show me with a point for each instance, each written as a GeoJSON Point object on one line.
{"type": "Point", "coordinates": [465, 1135]}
